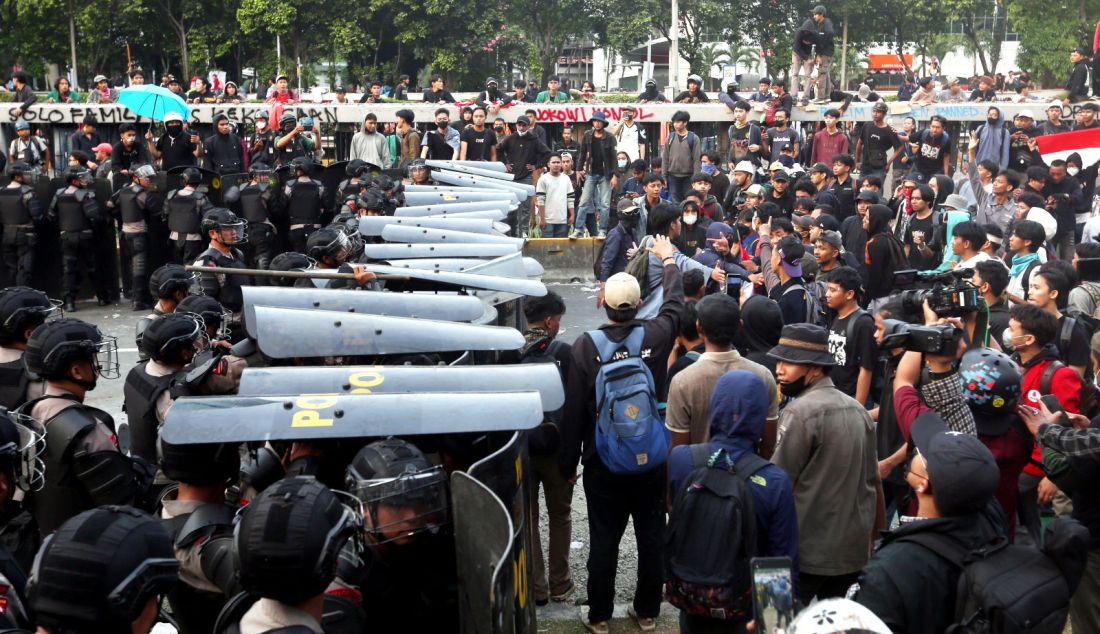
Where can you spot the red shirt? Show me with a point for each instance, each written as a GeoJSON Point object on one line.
{"type": "Point", "coordinates": [1065, 384]}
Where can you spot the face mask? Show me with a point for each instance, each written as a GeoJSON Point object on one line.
{"type": "Point", "coordinates": [991, 120]}
{"type": "Point", "coordinates": [622, 164]}
{"type": "Point", "coordinates": [794, 388]}
{"type": "Point", "coordinates": [1072, 171]}
{"type": "Point", "coordinates": [498, 128]}
{"type": "Point", "coordinates": [630, 221]}
{"type": "Point", "coordinates": [689, 219]}
{"type": "Point", "coordinates": [173, 128]}
{"type": "Point", "coordinates": [522, 132]}
{"type": "Point", "coordinates": [709, 168]}
{"type": "Point", "coordinates": [1006, 337]}
{"type": "Point", "coordinates": [261, 124]}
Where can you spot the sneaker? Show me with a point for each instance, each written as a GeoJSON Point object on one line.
{"type": "Point", "coordinates": [821, 101]}
{"type": "Point", "coordinates": [602, 235]}
{"type": "Point", "coordinates": [598, 628]}
{"type": "Point", "coordinates": [142, 306]}
{"type": "Point", "coordinates": [644, 624]}
{"type": "Point", "coordinates": [562, 597]}
{"type": "Point", "coordinates": [576, 234]}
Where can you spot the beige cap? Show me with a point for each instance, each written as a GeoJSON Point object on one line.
{"type": "Point", "coordinates": [754, 190]}
{"type": "Point", "coordinates": [622, 291]}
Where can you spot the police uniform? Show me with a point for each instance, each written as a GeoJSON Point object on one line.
{"type": "Point", "coordinates": [142, 324]}
{"type": "Point", "coordinates": [267, 615]}
{"type": "Point", "coordinates": [258, 205]}
{"type": "Point", "coordinates": [148, 397]}
{"type": "Point", "coordinates": [350, 186]}
{"type": "Point", "coordinates": [17, 386]}
{"type": "Point", "coordinates": [304, 196]}
{"type": "Point", "coordinates": [224, 288]}
{"type": "Point", "coordinates": [20, 210]}
{"type": "Point", "coordinates": [134, 206]}
{"type": "Point", "coordinates": [202, 538]}
{"type": "Point", "coordinates": [77, 212]}
{"type": "Point", "coordinates": [84, 466]}
{"type": "Point", "coordinates": [184, 208]}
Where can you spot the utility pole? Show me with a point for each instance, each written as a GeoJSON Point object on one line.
{"type": "Point", "coordinates": [844, 57]}
{"type": "Point", "coordinates": [278, 55]}
{"type": "Point", "coordinates": [674, 48]}
{"type": "Point", "coordinates": [72, 45]}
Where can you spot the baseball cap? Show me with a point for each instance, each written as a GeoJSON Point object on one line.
{"type": "Point", "coordinates": [22, 124]}
{"type": "Point", "coordinates": [755, 190]}
{"type": "Point", "coordinates": [103, 147]}
{"type": "Point", "coordinates": [868, 194]}
{"type": "Point", "coordinates": [621, 291]}
{"type": "Point", "coordinates": [1025, 113]}
{"type": "Point", "coordinates": [880, 106]}
{"type": "Point", "coordinates": [626, 204]}
{"type": "Point", "coordinates": [781, 175]}
{"type": "Point", "coordinates": [837, 616]}
{"type": "Point", "coordinates": [99, 78]}
{"type": "Point", "coordinates": [956, 202]}
{"type": "Point", "coordinates": [173, 116]}
{"type": "Point", "coordinates": [790, 255]}
{"type": "Point", "coordinates": [745, 166]}
{"type": "Point", "coordinates": [827, 221]}
{"type": "Point", "coordinates": [832, 238]}
{"type": "Point", "coordinates": [960, 468]}
{"type": "Point", "coordinates": [821, 167]}
{"type": "Point", "coordinates": [804, 220]}
{"type": "Point", "coordinates": [776, 165]}
{"type": "Point", "coordinates": [522, 119]}
{"type": "Point", "coordinates": [1054, 104]}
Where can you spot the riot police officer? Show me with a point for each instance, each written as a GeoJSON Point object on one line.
{"type": "Point", "coordinates": [168, 344]}
{"type": "Point", "coordinates": [22, 309]}
{"type": "Point", "coordinates": [226, 232]}
{"type": "Point", "coordinates": [20, 211]}
{"type": "Point", "coordinates": [291, 142]}
{"type": "Point", "coordinates": [169, 285]}
{"type": "Point", "coordinates": [185, 207]}
{"type": "Point", "coordinates": [393, 194]}
{"type": "Point", "coordinates": [289, 261]}
{"type": "Point", "coordinates": [371, 203]}
{"type": "Point", "coordinates": [355, 183]}
{"type": "Point", "coordinates": [419, 174]}
{"type": "Point", "coordinates": [330, 248]}
{"type": "Point", "coordinates": [83, 461]}
{"type": "Point", "coordinates": [304, 196]}
{"type": "Point", "coordinates": [200, 523]}
{"type": "Point", "coordinates": [259, 206]}
{"type": "Point", "coordinates": [287, 544]}
{"type": "Point", "coordinates": [214, 370]}
{"type": "Point", "coordinates": [133, 205]}
{"type": "Point", "coordinates": [77, 213]}
{"type": "Point", "coordinates": [20, 469]}
{"type": "Point", "coordinates": [102, 573]}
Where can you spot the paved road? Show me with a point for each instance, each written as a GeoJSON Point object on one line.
{"type": "Point", "coordinates": [581, 315]}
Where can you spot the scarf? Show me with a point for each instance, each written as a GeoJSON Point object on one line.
{"type": "Point", "coordinates": [1020, 263]}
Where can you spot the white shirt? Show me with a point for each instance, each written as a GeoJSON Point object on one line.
{"type": "Point", "coordinates": [629, 140]}
{"type": "Point", "coordinates": [555, 193]}
{"type": "Point", "coordinates": [970, 262]}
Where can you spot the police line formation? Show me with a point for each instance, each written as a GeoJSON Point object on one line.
{"type": "Point", "coordinates": [321, 459]}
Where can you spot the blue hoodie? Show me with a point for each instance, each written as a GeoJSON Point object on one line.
{"type": "Point", "coordinates": [738, 407]}
{"type": "Point", "coordinates": [993, 141]}
{"type": "Point", "coordinates": [707, 256]}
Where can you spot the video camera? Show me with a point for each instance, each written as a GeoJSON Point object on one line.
{"type": "Point", "coordinates": [952, 295]}
{"type": "Point", "coordinates": [942, 339]}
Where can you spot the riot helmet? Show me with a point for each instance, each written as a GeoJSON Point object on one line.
{"type": "Point", "coordinates": [56, 344]}
{"type": "Point", "coordinates": [143, 172]}
{"type": "Point", "coordinates": [21, 309]}
{"type": "Point", "coordinates": [97, 572]}
{"type": "Point", "coordinates": [302, 164]}
{"type": "Point", "coordinates": [191, 176]}
{"type": "Point", "coordinates": [402, 493]}
{"type": "Point", "coordinates": [355, 168]}
{"type": "Point", "coordinates": [371, 203]}
{"type": "Point", "coordinates": [214, 316]}
{"type": "Point", "coordinates": [22, 170]}
{"type": "Point", "coordinates": [22, 442]}
{"type": "Point", "coordinates": [328, 241]}
{"type": "Point", "coordinates": [167, 339]}
{"type": "Point", "coordinates": [288, 121]}
{"type": "Point", "coordinates": [170, 279]}
{"type": "Point", "coordinates": [79, 176]}
{"type": "Point", "coordinates": [199, 464]}
{"type": "Point", "coordinates": [288, 540]}
{"type": "Point", "coordinates": [259, 169]}
{"type": "Point", "coordinates": [418, 169]}
{"type": "Point", "coordinates": [290, 261]}
{"type": "Point", "coordinates": [231, 229]}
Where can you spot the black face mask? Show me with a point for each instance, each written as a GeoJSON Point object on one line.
{"type": "Point", "coordinates": [629, 221]}
{"type": "Point", "coordinates": [173, 129]}
{"type": "Point", "coordinates": [991, 120]}
{"type": "Point", "coordinates": [441, 126]}
{"type": "Point", "coordinates": [794, 388]}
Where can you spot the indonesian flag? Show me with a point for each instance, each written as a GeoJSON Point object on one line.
{"type": "Point", "coordinates": [1060, 146]}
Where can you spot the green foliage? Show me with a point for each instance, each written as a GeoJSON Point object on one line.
{"type": "Point", "coordinates": [1051, 33]}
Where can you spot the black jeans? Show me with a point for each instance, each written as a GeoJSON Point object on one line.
{"type": "Point", "coordinates": [77, 258]}
{"type": "Point", "coordinates": [824, 587]}
{"type": "Point", "coordinates": [18, 249]}
{"type": "Point", "coordinates": [137, 249]}
{"type": "Point", "coordinates": [612, 500]}
{"type": "Point", "coordinates": [678, 186]}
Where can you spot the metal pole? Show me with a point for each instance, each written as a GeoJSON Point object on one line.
{"type": "Point", "coordinates": [72, 45]}
{"type": "Point", "coordinates": [844, 58]}
{"type": "Point", "coordinates": [278, 55]}
{"type": "Point", "coordinates": [674, 48]}
{"type": "Point", "coordinates": [319, 274]}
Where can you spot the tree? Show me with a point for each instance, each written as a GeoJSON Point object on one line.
{"type": "Point", "coordinates": [710, 56]}
{"type": "Point", "coordinates": [1046, 36]}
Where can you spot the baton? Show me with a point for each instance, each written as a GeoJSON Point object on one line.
{"type": "Point", "coordinates": [318, 274]}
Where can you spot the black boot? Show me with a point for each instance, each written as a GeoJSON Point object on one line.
{"type": "Point", "coordinates": [70, 305]}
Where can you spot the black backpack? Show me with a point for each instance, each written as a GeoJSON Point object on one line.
{"type": "Point", "coordinates": [711, 538]}
{"type": "Point", "coordinates": [1008, 589]}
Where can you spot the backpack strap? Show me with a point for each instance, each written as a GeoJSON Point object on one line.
{"type": "Point", "coordinates": [1047, 379]}
{"type": "Point", "coordinates": [749, 463]}
{"type": "Point", "coordinates": [1094, 294]}
{"type": "Point", "coordinates": [1065, 338]}
{"type": "Point", "coordinates": [693, 355]}
{"type": "Point", "coordinates": [700, 455]}
{"type": "Point", "coordinates": [850, 330]}
{"type": "Point", "coordinates": [606, 348]}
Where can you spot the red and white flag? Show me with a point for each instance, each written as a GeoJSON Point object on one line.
{"type": "Point", "coordinates": [1060, 146]}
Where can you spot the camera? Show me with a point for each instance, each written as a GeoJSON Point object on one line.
{"type": "Point", "coordinates": [942, 339]}
{"type": "Point", "coordinates": [952, 293]}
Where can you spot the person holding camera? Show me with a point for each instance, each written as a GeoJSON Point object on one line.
{"type": "Point", "coordinates": [441, 144]}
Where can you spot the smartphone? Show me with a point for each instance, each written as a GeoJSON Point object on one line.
{"type": "Point", "coordinates": [1055, 407]}
{"type": "Point", "coordinates": [772, 592]}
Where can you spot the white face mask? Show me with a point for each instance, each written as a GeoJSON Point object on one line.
{"type": "Point", "coordinates": [689, 219]}
{"type": "Point", "coordinates": [1072, 171]}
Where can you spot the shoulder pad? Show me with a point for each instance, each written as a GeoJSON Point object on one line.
{"type": "Point", "coordinates": [204, 522]}
{"type": "Point", "coordinates": [26, 189]}
{"type": "Point", "coordinates": [81, 194]}
{"type": "Point", "coordinates": [171, 194]}
{"type": "Point", "coordinates": [315, 182]}
{"type": "Point", "coordinates": [210, 252]}
{"type": "Point", "coordinates": [64, 428]}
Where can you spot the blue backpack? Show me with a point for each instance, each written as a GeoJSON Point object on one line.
{"type": "Point", "coordinates": [630, 434]}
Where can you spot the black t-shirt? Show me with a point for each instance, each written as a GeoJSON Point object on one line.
{"type": "Point", "coordinates": [596, 151]}
{"type": "Point", "coordinates": [779, 139]}
{"type": "Point", "coordinates": [1078, 353]}
{"type": "Point", "coordinates": [927, 226]}
{"type": "Point", "coordinates": [478, 144]}
{"type": "Point", "coordinates": [932, 149]}
{"type": "Point", "coordinates": [176, 151]}
{"type": "Point", "coordinates": [852, 355]}
{"type": "Point", "coordinates": [877, 144]}
{"type": "Point", "coordinates": [437, 146]}
{"type": "Point", "coordinates": [741, 139]}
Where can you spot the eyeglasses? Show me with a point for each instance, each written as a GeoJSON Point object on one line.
{"type": "Point", "coordinates": [908, 469]}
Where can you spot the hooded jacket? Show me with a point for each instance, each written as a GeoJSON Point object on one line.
{"type": "Point", "coordinates": [993, 141]}
{"type": "Point", "coordinates": [738, 409]}
{"type": "Point", "coordinates": [730, 263]}
{"type": "Point", "coordinates": [761, 324]}
{"type": "Point", "coordinates": [884, 253]}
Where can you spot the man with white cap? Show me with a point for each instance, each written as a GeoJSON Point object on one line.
{"type": "Point", "coordinates": [742, 173]}
{"type": "Point", "coordinates": [954, 478]}
{"type": "Point", "coordinates": [1022, 152]}
{"type": "Point", "coordinates": [1054, 124]}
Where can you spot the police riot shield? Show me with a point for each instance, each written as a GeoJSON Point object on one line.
{"type": "Point", "coordinates": [493, 215]}
{"type": "Point", "coordinates": [372, 225]}
{"type": "Point", "coordinates": [419, 235]}
{"type": "Point", "coordinates": [441, 308]}
{"type": "Point", "coordinates": [211, 184]}
{"type": "Point", "coordinates": [436, 280]}
{"type": "Point", "coordinates": [469, 180]}
{"type": "Point", "coordinates": [330, 177]}
{"type": "Point", "coordinates": [234, 419]}
{"type": "Point", "coordinates": [496, 166]}
{"type": "Point", "coordinates": [470, 169]}
{"type": "Point", "coordinates": [505, 474]}
{"type": "Point", "coordinates": [47, 253]}
{"type": "Point", "coordinates": [543, 378]}
{"type": "Point", "coordinates": [437, 198]}
{"type": "Point", "coordinates": [484, 544]}
{"type": "Point", "coordinates": [284, 333]}
{"type": "Point", "coordinates": [515, 195]}
{"type": "Point", "coordinates": [454, 208]}
{"type": "Point", "coordinates": [437, 250]}
{"type": "Point", "coordinates": [451, 264]}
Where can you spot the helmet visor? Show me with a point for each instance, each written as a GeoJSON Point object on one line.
{"type": "Point", "coordinates": [401, 507]}
{"type": "Point", "coordinates": [106, 357]}
{"type": "Point", "coordinates": [233, 233]}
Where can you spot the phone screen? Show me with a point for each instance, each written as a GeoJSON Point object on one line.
{"type": "Point", "coordinates": [1055, 407]}
{"type": "Point", "coordinates": [773, 592]}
